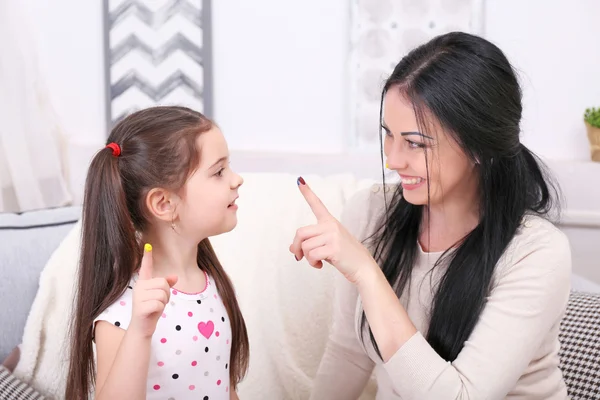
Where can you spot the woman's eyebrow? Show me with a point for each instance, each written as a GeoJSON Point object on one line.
{"type": "Point", "coordinates": [415, 134]}
{"type": "Point", "coordinates": [384, 126]}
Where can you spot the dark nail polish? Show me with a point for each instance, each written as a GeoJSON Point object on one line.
{"type": "Point", "coordinates": [301, 181]}
{"type": "Point", "coordinates": [296, 258]}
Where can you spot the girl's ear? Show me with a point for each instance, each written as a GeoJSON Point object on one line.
{"type": "Point", "coordinates": [161, 204]}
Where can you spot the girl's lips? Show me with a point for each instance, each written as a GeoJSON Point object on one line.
{"type": "Point", "coordinates": [232, 205]}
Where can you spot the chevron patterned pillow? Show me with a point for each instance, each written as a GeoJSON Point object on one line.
{"type": "Point", "coordinates": [580, 346]}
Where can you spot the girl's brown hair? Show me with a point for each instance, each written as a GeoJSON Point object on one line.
{"type": "Point", "coordinates": [158, 149]}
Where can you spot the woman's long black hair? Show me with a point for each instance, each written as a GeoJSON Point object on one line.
{"type": "Point", "coordinates": [466, 84]}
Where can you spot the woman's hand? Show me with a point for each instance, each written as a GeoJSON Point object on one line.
{"type": "Point", "coordinates": [329, 241]}
{"type": "Point", "coordinates": [150, 296]}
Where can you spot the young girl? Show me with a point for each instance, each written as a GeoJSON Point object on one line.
{"type": "Point", "coordinates": [162, 318]}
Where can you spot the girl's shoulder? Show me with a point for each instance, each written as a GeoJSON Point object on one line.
{"type": "Point", "coordinates": [119, 312]}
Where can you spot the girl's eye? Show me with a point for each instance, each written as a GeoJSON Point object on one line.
{"type": "Point", "coordinates": [220, 172]}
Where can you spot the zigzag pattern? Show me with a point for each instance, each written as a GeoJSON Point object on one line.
{"type": "Point", "coordinates": [155, 19]}
{"type": "Point", "coordinates": [177, 42]}
{"type": "Point", "coordinates": [154, 58]}
{"type": "Point", "coordinates": [156, 92]}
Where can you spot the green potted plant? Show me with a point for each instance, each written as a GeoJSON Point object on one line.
{"type": "Point", "coordinates": [592, 123]}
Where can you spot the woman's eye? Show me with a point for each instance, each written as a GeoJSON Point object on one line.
{"type": "Point", "coordinates": [415, 145]}
{"type": "Point", "coordinates": [220, 172]}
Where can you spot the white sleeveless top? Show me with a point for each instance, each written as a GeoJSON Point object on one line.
{"type": "Point", "coordinates": [191, 347]}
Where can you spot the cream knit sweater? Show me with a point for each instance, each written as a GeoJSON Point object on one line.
{"type": "Point", "coordinates": [512, 352]}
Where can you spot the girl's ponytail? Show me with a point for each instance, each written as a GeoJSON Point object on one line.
{"type": "Point", "coordinates": [108, 235]}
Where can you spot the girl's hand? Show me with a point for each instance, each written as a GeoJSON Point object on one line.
{"type": "Point", "coordinates": [150, 296]}
{"type": "Point", "coordinates": [329, 241]}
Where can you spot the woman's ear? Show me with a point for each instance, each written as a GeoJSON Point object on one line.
{"type": "Point", "coordinates": [161, 204]}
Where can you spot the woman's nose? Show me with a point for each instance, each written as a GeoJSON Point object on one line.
{"type": "Point", "coordinates": [396, 160]}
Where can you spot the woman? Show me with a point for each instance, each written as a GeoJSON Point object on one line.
{"type": "Point", "coordinates": [462, 284]}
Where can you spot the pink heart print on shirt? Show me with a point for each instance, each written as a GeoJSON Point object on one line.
{"type": "Point", "coordinates": [206, 329]}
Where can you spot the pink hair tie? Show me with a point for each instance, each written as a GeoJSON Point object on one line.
{"type": "Point", "coordinates": [116, 150]}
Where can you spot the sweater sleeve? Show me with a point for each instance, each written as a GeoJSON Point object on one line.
{"type": "Point", "coordinates": [345, 368]}
{"type": "Point", "coordinates": [529, 297]}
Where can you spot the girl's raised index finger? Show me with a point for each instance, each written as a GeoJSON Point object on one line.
{"type": "Point", "coordinates": [146, 267]}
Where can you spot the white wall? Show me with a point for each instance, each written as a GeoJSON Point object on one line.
{"type": "Point", "coordinates": [69, 38]}
{"type": "Point", "coordinates": [554, 43]}
{"type": "Point", "coordinates": [279, 69]}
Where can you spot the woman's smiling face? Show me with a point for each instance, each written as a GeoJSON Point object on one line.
{"type": "Point", "coordinates": [426, 157]}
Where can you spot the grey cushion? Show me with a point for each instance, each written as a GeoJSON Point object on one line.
{"type": "Point", "coordinates": [26, 242]}
{"type": "Point", "coordinates": [580, 346]}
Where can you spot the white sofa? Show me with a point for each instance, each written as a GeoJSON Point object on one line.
{"type": "Point", "coordinates": [287, 304]}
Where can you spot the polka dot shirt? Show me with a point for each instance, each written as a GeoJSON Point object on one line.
{"type": "Point", "coordinates": [190, 350]}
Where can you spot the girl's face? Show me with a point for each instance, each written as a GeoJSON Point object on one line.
{"type": "Point", "coordinates": [423, 159]}
{"type": "Point", "coordinates": [207, 206]}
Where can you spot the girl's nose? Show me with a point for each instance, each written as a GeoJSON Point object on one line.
{"type": "Point", "coordinates": [237, 181]}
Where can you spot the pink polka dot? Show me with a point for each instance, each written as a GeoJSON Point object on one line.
{"type": "Point", "coordinates": [174, 292]}
{"type": "Point", "coordinates": [160, 363]}
{"type": "Point", "coordinates": [156, 387]}
{"type": "Point", "coordinates": [164, 315]}
{"type": "Point", "coordinates": [227, 341]}
{"type": "Point", "coordinates": [122, 303]}
{"type": "Point", "coordinates": [219, 382]}
{"type": "Point", "coordinates": [190, 314]}
{"type": "Point", "coordinates": [192, 387]}
{"type": "Point", "coordinates": [195, 338]}
{"type": "Point", "coordinates": [215, 296]}
{"type": "Point", "coordinates": [217, 333]}
{"type": "Point", "coordinates": [194, 363]}
{"type": "Point", "coordinates": [163, 340]}
{"type": "Point", "coordinates": [227, 389]}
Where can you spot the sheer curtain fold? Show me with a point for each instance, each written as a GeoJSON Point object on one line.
{"type": "Point", "coordinates": [31, 167]}
{"type": "Point", "coordinates": [382, 32]}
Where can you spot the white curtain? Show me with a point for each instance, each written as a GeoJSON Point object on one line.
{"type": "Point", "coordinates": [31, 169]}
{"type": "Point", "coordinates": [382, 32]}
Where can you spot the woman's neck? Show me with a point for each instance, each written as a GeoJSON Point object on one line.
{"type": "Point", "coordinates": [445, 224]}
